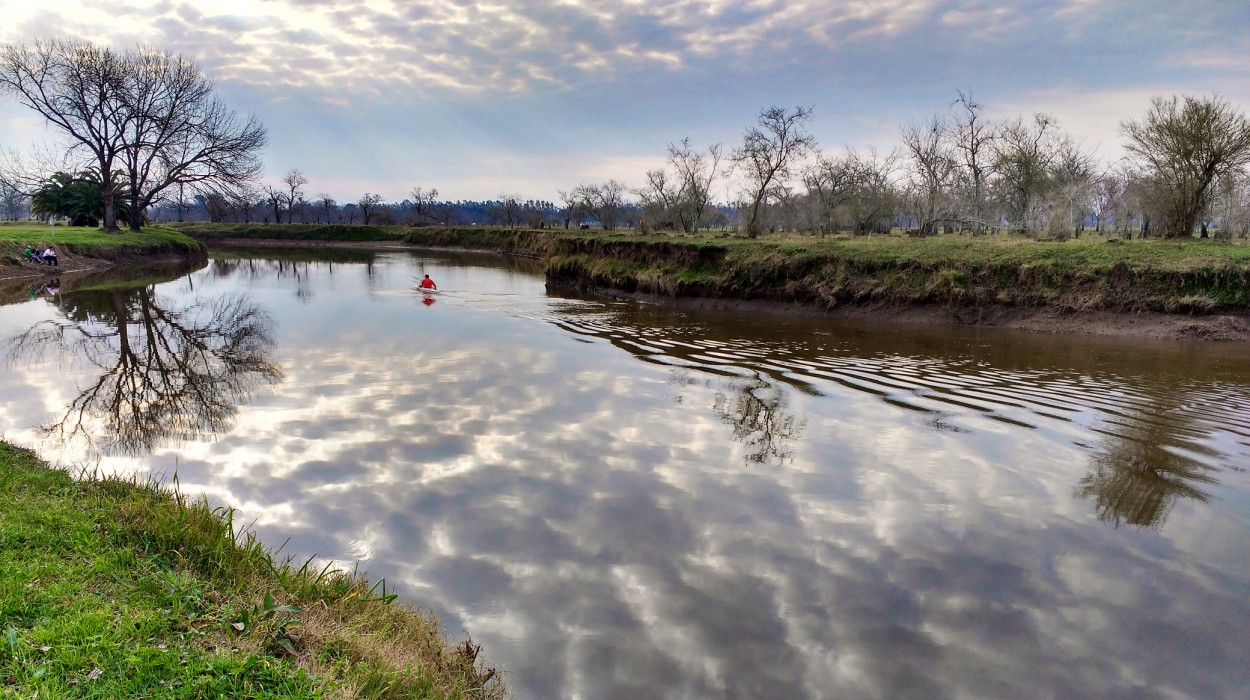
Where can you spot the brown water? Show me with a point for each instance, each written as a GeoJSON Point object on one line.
{"type": "Point", "coordinates": [625, 500]}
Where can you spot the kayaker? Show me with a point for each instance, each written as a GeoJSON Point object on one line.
{"type": "Point", "coordinates": [428, 283]}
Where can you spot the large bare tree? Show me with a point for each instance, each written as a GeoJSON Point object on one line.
{"type": "Point", "coordinates": [78, 89]}
{"type": "Point", "coordinates": [1184, 145]}
{"type": "Point", "coordinates": [143, 118]}
{"type": "Point", "coordinates": [769, 152]}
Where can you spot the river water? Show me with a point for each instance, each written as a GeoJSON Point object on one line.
{"type": "Point", "coordinates": [621, 500]}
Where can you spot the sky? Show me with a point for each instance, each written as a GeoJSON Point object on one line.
{"type": "Point", "coordinates": [531, 97]}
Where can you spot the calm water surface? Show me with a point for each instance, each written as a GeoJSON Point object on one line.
{"type": "Point", "coordinates": [625, 501]}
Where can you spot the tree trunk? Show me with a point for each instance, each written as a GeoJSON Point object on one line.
{"type": "Point", "coordinates": [110, 207]}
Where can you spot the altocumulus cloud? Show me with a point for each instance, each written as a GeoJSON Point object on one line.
{"type": "Point", "coordinates": [477, 97]}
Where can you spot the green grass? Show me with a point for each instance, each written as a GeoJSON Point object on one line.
{"type": "Point", "coordinates": [112, 589]}
{"type": "Point", "coordinates": [88, 239]}
{"type": "Point", "coordinates": [1092, 273]}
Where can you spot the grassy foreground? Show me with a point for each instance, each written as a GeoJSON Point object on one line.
{"type": "Point", "coordinates": [114, 589]}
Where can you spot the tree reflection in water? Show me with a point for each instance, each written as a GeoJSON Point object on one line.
{"type": "Point", "coordinates": [1137, 480]}
{"type": "Point", "coordinates": [755, 409]}
{"type": "Point", "coordinates": [167, 374]}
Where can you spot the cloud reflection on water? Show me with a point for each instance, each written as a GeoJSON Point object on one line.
{"type": "Point", "coordinates": [593, 522]}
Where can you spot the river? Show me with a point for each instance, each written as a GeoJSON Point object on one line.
{"type": "Point", "coordinates": [625, 500]}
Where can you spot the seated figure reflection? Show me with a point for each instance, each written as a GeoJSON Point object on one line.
{"type": "Point", "coordinates": [167, 374]}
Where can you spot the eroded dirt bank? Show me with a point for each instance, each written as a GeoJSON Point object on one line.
{"type": "Point", "coordinates": [1142, 324]}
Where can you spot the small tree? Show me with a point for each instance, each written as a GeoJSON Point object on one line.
{"type": "Point", "coordinates": [294, 180]}
{"type": "Point", "coordinates": [368, 206]}
{"type": "Point", "coordinates": [1025, 153]}
{"type": "Point", "coordinates": [1184, 145]}
{"type": "Point", "coordinates": [696, 172]}
{"type": "Point", "coordinates": [932, 173]}
{"type": "Point", "coordinates": [604, 201]}
{"type": "Point", "coordinates": [972, 137]}
{"type": "Point", "coordinates": [510, 209]}
{"type": "Point", "coordinates": [423, 201]}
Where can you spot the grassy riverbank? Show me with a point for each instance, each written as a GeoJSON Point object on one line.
{"type": "Point", "coordinates": [953, 271]}
{"type": "Point", "coordinates": [115, 589]}
{"type": "Point", "coordinates": [950, 271]}
{"type": "Point", "coordinates": [85, 249]}
{"type": "Point", "coordinates": [94, 242]}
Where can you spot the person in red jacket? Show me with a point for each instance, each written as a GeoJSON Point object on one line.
{"type": "Point", "coordinates": [428, 283]}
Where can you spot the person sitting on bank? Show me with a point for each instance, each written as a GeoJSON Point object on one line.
{"type": "Point", "coordinates": [49, 256]}
{"type": "Point", "coordinates": [428, 283]}
{"type": "Point", "coordinates": [31, 255]}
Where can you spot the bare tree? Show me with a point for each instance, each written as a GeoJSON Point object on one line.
{"type": "Point", "coordinates": [1024, 154]}
{"type": "Point", "coordinates": [245, 199]}
{"type": "Point", "coordinates": [932, 172]}
{"type": "Point", "coordinates": [510, 209]}
{"type": "Point", "coordinates": [874, 197]}
{"type": "Point", "coordinates": [326, 206]}
{"type": "Point", "coordinates": [216, 206]}
{"type": "Point", "coordinates": [276, 199]}
{"type": "Point", "coordinates": [1231, 205]}
{"type": "Point", "coordinates": [1184, 145]}
{"type": "Point", "coordinates": [1137, 203]}
{"type": "Point", "coordinates": [423, 201]}
{"type": "Point", "coordinates": [143, 117]}
{"type": "Point", "coordinates": [972, 136]}
{"type": "Point", "coordinates": [1071, 182]}
{"type": "Point", "coordinates": [294, 180]}
{"type": "Point", "coordinates": [767, 156]}
{"type": "Point", "coordinates": [830, 182]}
{"type": "Point", "coordinates": [696, 172]}
{"type": "Point", "coordinates": [1105, 196]}
{"type": "Point", "coordinates": [571, 201]}
{"type": "Point", "coordinates": [178, 133]}
{"type": "Point", "coordinates": [76, 88]}
{"type": "Point", "coordinates": [602, 201]}
{"type": "Point", "coordinates": [659, 199]}
{"type": "Point", "coordinates": [13, 202]}
{"type": "Point", "coordinates": [368, 206]}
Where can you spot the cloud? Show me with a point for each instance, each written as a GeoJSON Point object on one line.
{"type": "Point", "coordinates": [536, 96]}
